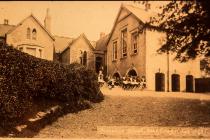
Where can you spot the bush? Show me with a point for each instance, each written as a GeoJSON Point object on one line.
{"type": "Point", "coordinates": [24, 77]}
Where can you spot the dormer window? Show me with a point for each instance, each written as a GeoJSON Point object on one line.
{"type": "Point", "coordinates": [28, 33]}
{"type": "Point", "coordinates": [34, 33]}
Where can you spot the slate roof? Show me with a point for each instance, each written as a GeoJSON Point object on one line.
{"type": "Point", "coordinates": [101, 44]}
{"type": "Point", "coordinates": [5, 29]}
{"type": "Point", "coordinates": [74, 40]}
{"type": "Point", "coordinates": [61, 43]}
{"type": "Point", "coordinates": [140, 13]}
{"type": "Point", "coordinates": [93, 43]}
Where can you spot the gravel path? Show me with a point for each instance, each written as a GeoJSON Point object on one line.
{"type": "Point", "coordinates": [148, 116]}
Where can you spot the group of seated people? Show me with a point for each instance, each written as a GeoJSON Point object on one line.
{"type": "Point", "coordinates": [128, 82]}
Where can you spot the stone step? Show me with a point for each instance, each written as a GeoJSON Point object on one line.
{"type": "Point", "coordinates": [40, 115]}
{"type": "Point", "coordinates": [160, 132]}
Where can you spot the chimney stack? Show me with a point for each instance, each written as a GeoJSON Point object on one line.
{"type": "Point", "coordinates": [102, 34]}
{"type": "Point", "coordinates": [147, 6]}
{"type": "Point", "coordinates": [47, 20]}
{"type": "Point", "coordinates": [6, 21]}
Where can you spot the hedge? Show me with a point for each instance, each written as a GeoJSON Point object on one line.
{"type": "Point", "coordinates": [24, 77]}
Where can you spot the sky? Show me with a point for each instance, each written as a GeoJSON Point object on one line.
{"type": "Point", "coordinates": [68, 18]}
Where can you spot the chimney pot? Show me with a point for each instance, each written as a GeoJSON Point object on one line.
{"type": "Point", "coordinates": [147, 6]}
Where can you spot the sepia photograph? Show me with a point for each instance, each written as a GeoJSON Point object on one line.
{"type": "Point", "coordinates": [105, 69]}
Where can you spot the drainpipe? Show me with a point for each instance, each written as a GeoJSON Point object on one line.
{"type": "Point", "coordinates": [167, 70]}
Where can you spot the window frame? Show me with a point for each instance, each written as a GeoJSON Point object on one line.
{"type": "Point", "coordinates": [40, 53]}
{"type": "Point", "coordinates": [124, 42]}
{"type": "Point", "coordinates": [84, 58]}
{"type": "Point", "coordinates": [28, 33]}
{"type": "Point", "coordinates": [34, 34]}
{"type": "Point", "coordinates": [114, 51]}
{"type": "Point", "coordinates": [134, 45]}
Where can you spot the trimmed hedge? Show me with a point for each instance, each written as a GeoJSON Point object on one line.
{"type": "Point", "coordinates": [24, 77]}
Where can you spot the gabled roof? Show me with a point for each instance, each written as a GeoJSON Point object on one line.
{"type": "Point", "coordinates": [140, 14]}
{"type": "Point", "coordinates": [38, 24]}
{"type": "Point", "coordinates": [93, 43]}
{"type": "Point", "coordinates": [101, 44]}
{"type": "Point", "coordinates": [4, 29]}
{"type": "Point", "coordinates": [74, 40]}
{"type": "Point", "coordinates": [61, 43]}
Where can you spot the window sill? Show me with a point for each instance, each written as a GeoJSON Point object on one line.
{"type": "Point", "coordinates": [123, 57]}
{"type": "Point", "coordinates": [114, 60]}
{"type": "Point", "coordinates": [133, 54]}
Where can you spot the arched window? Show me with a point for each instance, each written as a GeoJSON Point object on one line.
{"type": "Point", "coordinates": [85, 58]}
{"type": "Point", "coordinates": [28, 35]}
{"type": "Point", "coordinates": [34, 34]}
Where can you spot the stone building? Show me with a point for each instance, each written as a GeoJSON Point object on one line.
{"type": "Point", "coordinates": [79, 50]}
{"type": "Point", "coordinates": [132, 51]}
{"type": "Point", "coordinates": [29, 36]}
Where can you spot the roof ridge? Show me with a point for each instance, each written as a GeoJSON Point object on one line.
{"type": "Point", "coordinates": [134, 6]}
{"type": "Point", "coordinates": [63, 36]}
{"type": "Point", "coordinates": [39, 23]}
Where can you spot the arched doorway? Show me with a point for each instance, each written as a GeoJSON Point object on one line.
{"type": "Point", "coordinates": [175, 80]}
{"type": "Point", "coordinates": [132, 72]}
{"type": "Point", "coordinates": [98, 63]}
{"type": "Point", "coordinates": [116, 75]}
{"type": "Point", "coordinates": [159, 82]}
{"type": "Point", "coordinates": [189, 83]}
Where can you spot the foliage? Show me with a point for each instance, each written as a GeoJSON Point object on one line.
{"type": "Point", "coordinates": [187, 25]}
{"type": "Point", "coordinates": [24, 77]}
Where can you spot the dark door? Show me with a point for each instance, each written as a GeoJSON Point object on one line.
{"type": "Point", "coordinates": [159, 82]}
{"type": "Point", "coordinates": [98, 63]}
{"type": "Point", "coordinates": [175, 82]}
{"type": "Point", "coordinates": [132, 73]}
{"type": "Point", "coordinates": [189, 83]}
{"type": "Point", "coordinates": [116, 75]}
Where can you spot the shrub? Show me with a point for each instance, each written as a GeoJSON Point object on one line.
{"type": "Point", "coordinates": [24, 77]}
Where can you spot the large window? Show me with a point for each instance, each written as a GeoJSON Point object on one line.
{"type": "Point", "coordinates": [124, 42]}
{"type": "Point", "coordinates": [34, 34]}
{"type": "Point", "coordinates": [31, 51]}
{"type": "Point", "coordinates": [134, 42]}
{"type": "Point", "coordinates": [114, 51]}
{"type": "Point", "coordinates": [28, 35]}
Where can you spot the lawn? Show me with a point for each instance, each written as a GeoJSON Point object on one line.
{"type": "Point", "coordinates": [143, 111]}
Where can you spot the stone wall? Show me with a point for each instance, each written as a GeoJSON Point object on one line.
{"type": "Point", "coordinates": [132, 61]}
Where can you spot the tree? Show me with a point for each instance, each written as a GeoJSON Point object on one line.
{"type": "Point", "coordinates": [187, 25]}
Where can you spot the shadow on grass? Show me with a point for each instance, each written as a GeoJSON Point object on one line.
{"type": "Point", "coordinates": [51, 115]}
